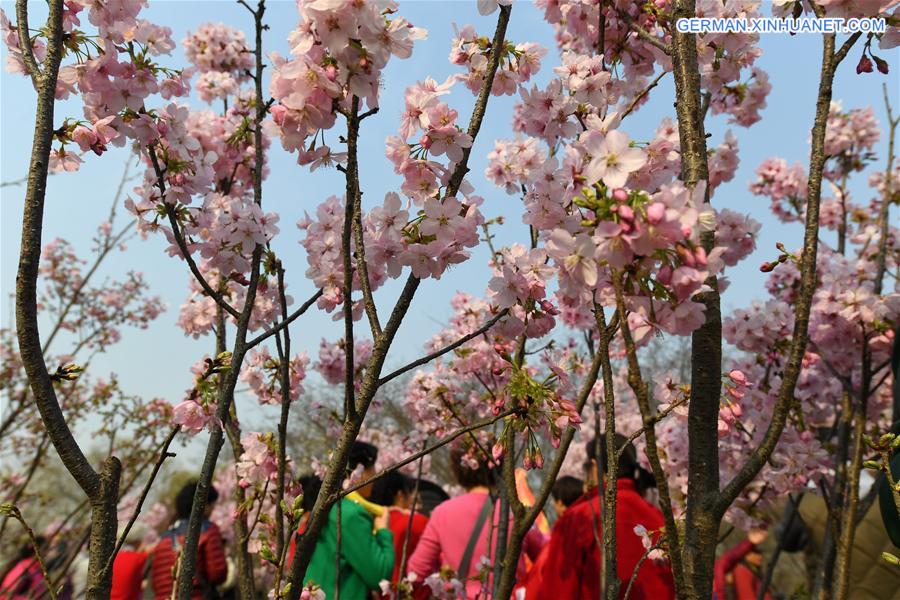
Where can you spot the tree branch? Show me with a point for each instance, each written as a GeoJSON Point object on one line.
{"type": "Point", "coordinates": [424, 452]}
{"type": "Point", "coordinates": [284, 323]}
{"type": "Point", "coordinates": [163, 455]}
{"type": "Point", "coordinates": [179, 238]}
{"type": "Point", "coordinates": [644, 34]}
{"type": "Point", "coordinates": [448, 348]}
{"type": "Point", "coordinates": [31, 66]}
{"type": "Point", "coordinates": [807, 284]}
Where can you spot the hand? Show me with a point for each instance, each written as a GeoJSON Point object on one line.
{"type": "Point", "coordinates": [757, 536]}
{"type": "Point", "coordinates": [381, 521]}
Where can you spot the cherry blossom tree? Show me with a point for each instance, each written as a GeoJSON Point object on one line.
{"type": "Point", "coordinates": [625, 243]}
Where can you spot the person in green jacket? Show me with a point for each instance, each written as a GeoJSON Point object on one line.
{"type": "Point", "coordinates": [367, 545]}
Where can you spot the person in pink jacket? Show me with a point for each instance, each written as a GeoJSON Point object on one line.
{"type": "Point", "coordinates": [23, 578]}
{"type": "Point", "coordinates": [464, 521]}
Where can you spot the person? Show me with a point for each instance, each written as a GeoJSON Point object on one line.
{"type": "Point", "coordinates": [572, 568]}
{"type": "Point", "coordinates": [367, 545]}
{"type": "Point", "coordinates": [395, 490]}
{"type": "Point", "coordinates": [23, 577]}
{"type": "Point", "coordinates": [737, 570]}
{"type": "Point", "coordinates": [566, 491]}
{"type": "Point", "coordinates": [430, 496]}
{"type": "Point", "coordinates": [128, 568]}
{"type": "Point", "coordinates": [211, 566]}
{"type": "Point", "coordinates": [457, 532]}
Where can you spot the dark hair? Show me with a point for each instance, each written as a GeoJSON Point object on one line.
{"type": "Point", "coordinates": [311, 485]}
{"type": "Point", "coordinates": [628, 466]}
{"type": "Point", "coordinates": [385, 488]}
{"type": "Point", "coordinates": [567, 489]}
{"type": "Point", "coordinates": [484, 474]}
{"type": "Point", "coordinates": [430, 496]}
{"type": "Point", "coordinates": [184, 501]}
{"type": "Point", "coordinates": [362, 453]}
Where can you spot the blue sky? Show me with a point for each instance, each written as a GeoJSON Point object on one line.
{"type": "Point", "coordinates": [156, 362]}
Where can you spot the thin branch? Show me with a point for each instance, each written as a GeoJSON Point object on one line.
{"type": "Point", "coordinates": [845, 48]}
{"type": "Point", "coordinates": [639, 387]}
{"type": "Point", "coordinates": [637, 568]}
{"type": "Point", "coordinates": [247, 6]}
{"type": "Point", "coordinates": [179, 238]}
{"type": "Point", "coordinates": [449, 348]}
{"type": "Point", "coordinates": [163, 455]}
{"type": "Point", "coordinates": [284, 371]}
{"type": "Point", "coordinates": [15, 182]}
{"type": "Point", "coordinates": [354, 212]}
{"type": "Point", "coordinates": [31, 66]}
{"type": "Point", "coordinates": [639, 97]}
{"type": "Point", "coordinates": [428, 450]}
{"type": "Point", "coordinates": [656, 418]}
{"type": "Point", "coordinates": [883, 221]}
{"type": "Point", "coordinates": [279, 326]}
{"type": "Point", "coordinates": [800, 335]}
{"type": "Point", "coordinates": [644, 34]}
{"type": "Point", "coordinates": [11, 510]}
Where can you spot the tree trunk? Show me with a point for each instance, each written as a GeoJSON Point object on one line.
{"type": "Point", "coordinates": [702, 519]}
{"type": "Point", "coordinates": [104, 524]}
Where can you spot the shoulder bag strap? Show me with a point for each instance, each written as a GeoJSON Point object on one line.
{"type": "Point", "coordinates": [466, 561]}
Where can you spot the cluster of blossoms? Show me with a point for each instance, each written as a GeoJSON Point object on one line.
{"type": "Point", "coordinates": [97, 314]}
{"type": "Point", "coordinates": [221, 58]}
{"type": "Point", "coordinates": [422, 176]}
{"type": "Point", "coordinates": [849, 139]}
{"type": "Point", "coordinates": [482, 379]}
{"type": "Point", "coordinates": [258, 463]}
{"type": "Point", "coordinates": [428, 243]}
{"type": "Point", "coordinates": [784, 185]}
{"type": "Point", "coordinates": [338, 50]}
{"type": "Point", "coordinates": [517, 64]}
{"type": "Point", "coordinates": [577, 27]}
{"type": "Point", "coordinates": [332, 356]}
{"type": "Point", "coordinates": [323, 245]}
{"type": "Point", "coordinates": [723, 57]}
{"type": "Point", "coordinates": [197, 315]}
{"type": "Point", "coordinates": [263, 374]}
{"type": "Point", "coordinates": [114, 71]}
{"type": "Point", "coordinates": [198, 410]}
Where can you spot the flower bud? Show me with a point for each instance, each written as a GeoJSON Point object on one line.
{"type": "Point", "coordinates": [548, 308]}
{"type": "Point", "coordinates": [620, 195]}
{"type": "Point", "coordinates": [656, 212]}
{"type": "Point", "coordinates": [864, 65]}
{"type": "Point", "coordinates": [881, 64]}
{"type": "Point", "coordinates": [664, 276]}
{"type": "Point", "coordinates": [497, 451]}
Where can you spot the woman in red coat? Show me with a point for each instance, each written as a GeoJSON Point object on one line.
{"type": "Point", "coordinates": [572, 567]}
{"type": "Point", "coordinates": [395, 490]}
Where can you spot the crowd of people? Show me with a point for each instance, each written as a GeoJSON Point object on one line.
{"type": "Point", "coordinates": [397, 531]}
